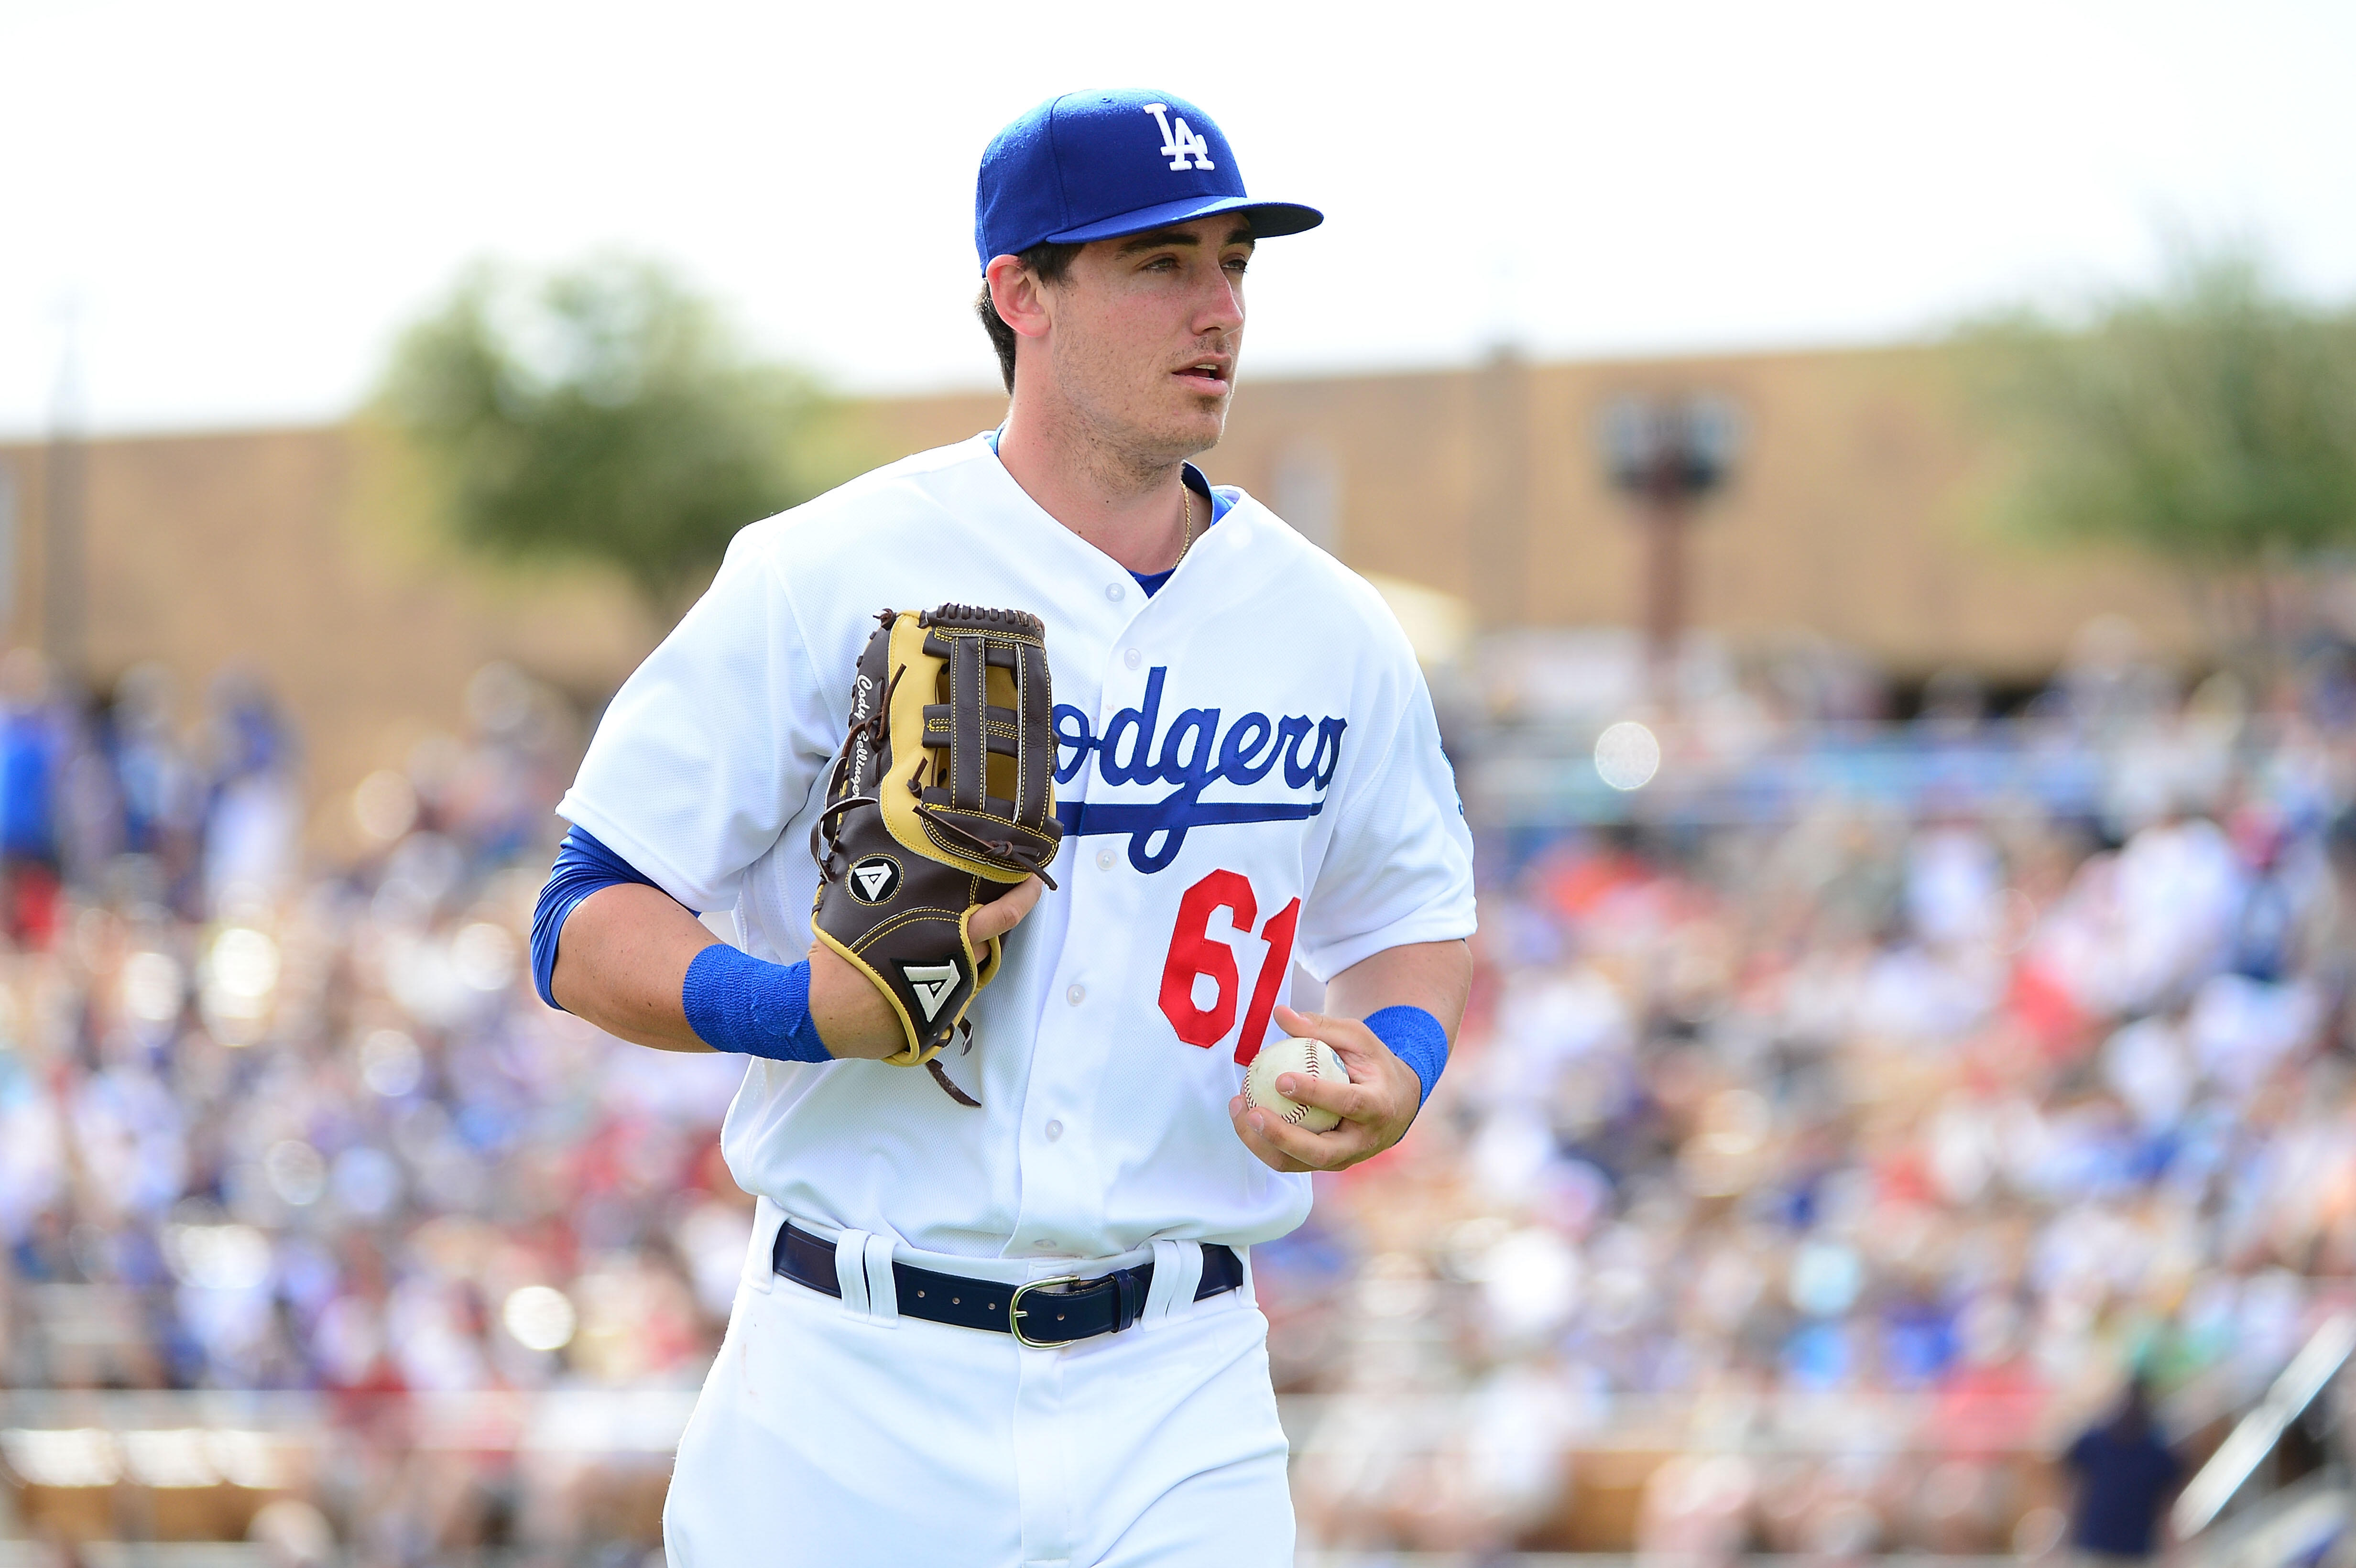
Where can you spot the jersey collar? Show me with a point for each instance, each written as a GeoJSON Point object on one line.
{"type": "Point", "coordinates": [1188, 475]}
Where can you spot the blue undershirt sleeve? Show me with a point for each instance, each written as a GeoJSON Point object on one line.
{"type": "Point", "coordinates": [583, 866]}
{"type": "Point", "coordinates": [1416, 1038]}
{"type": "Point", "coordinates": [732, 1000]}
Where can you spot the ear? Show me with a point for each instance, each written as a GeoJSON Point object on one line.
{"type": "Point", "coordinates": [1018, 296]}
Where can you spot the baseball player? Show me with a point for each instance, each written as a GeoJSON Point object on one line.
{"type": "Point", "coordinates": [1023, 1331]}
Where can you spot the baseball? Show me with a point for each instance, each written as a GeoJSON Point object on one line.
{"type": "Point", "coordinates": [1309, 1058]}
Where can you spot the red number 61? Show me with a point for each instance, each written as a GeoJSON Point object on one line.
{"type": "Point", "coordinates": [1193, 951]}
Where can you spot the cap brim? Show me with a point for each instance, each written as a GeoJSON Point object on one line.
{"type": "Point", "coordinates": [1268, 219]}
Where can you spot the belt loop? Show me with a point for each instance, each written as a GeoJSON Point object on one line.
{"type": "Point", "coordinates": [883, 1290]}
{"type": "Point", "coordinates": [761, 1255]}
{"type": "Point", "coordinates": [863, 1267]}
{"type": "Point", "coordinates": [850, 1272]}
{"type": "Point", "coordinates": [1177, 1271]}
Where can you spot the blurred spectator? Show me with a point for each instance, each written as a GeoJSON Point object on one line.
{"type": "Point", "coordinates": [256, 815]}
{"type": "Point", "coordinates": [33, 748]}
{"type": "Point", "coordinates": [2125, 1476]}
{"type": "Point", "coordinates": [161, 798]}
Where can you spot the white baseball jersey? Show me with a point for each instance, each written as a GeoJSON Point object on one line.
{"type": "Point", "coordinates": [1249, 774]}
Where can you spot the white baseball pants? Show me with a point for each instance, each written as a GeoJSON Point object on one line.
{"type": "Point", "coordinates": [838, 1435]}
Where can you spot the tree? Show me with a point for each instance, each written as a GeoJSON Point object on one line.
{"type": "Point", "coordinates": [604, 413]}
{"type": "Point", "coordinates": [2210, 420]}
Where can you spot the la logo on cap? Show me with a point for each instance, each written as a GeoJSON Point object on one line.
{"type": "Point", "coordinates": [1079, 168]}
{"type": "Point", "coordinates": [1179, 142]}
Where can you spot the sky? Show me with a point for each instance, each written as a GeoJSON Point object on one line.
{"type": "Point", "coordinates": [230, 210]}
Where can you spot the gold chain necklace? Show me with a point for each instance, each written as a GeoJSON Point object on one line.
{"type": "Point", "coordinates": [1186, 501]}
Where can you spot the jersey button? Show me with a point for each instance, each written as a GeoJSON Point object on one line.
{"type": "Point", "coordinates": [1114, 590]}
{"type": "Point", "coordinates": [1075, 995]}
{"type": "Point", "coordinates": [1132, 658]}
{"type": "Point", "coordinates": [1054, 1130]}
{"type": "Point", "coordinates": [1104, 858]}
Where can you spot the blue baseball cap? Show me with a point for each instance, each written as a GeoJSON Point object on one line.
{"type": "Point", "coordinates": [1091, 166]}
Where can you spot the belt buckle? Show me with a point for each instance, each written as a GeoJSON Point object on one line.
{"type": "Point", "coordinates": [1014, 1310]}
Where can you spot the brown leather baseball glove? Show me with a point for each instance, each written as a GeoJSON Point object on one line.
{"type": "Point", "coordinates": [941, 800]}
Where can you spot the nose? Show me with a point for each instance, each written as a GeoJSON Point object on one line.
{"type": "Point", "coordinates": [1221, 308]}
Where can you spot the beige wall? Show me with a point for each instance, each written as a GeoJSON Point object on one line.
{"type": "Point", "coordinates": [1857, 511]}
{"type": "Point", "coordinates": [298, 554]}
{"type": "Point", "coordinates": [307, 555]}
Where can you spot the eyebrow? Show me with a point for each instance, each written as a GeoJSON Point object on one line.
{"type": "Point", "coordinates": [1154, 240]}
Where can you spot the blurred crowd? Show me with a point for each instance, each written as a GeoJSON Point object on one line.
{"type": "Point", "coordinates": [93, 793]}
{"type": "Point", "coordinates": [1804, 1185]}
{"type": "Point", "coordinates": [265, 1130]}
{"type": "Point", "coordinates": [1798, 1184]}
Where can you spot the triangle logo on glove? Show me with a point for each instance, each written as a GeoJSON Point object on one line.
{"type": "Point", "coordinates": [874, 878]}
{"type": "Point", "coordinates": [932, 983]}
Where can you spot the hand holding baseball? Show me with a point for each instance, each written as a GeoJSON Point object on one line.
{"type": "Point", "coordinates": [1313, 1058]}
{"type": "Point", "coordinates": [1376, 1103]}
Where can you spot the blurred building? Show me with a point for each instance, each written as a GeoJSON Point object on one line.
{"type": "Point", "coordinates": [1857, 516]}
{"type": "Point", "coordinates": [1857, 513]}
{"type": "Point", "coordinates": [302, 558]}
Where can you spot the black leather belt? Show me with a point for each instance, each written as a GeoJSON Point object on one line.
{"type": "Point", "coordinates": [1038, 1312]}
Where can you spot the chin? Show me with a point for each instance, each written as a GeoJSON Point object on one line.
{"type": "Point", "coordinates": [1198, 430]}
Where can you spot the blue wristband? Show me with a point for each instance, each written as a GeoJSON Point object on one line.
{"type": "Point", "coordinates": [737, 1002]}
{"type": "Point", "coordinates": [1416, 1038]}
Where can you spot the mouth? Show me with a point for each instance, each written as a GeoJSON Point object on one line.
{"type": "Point", "coordinates": [1209, 377]}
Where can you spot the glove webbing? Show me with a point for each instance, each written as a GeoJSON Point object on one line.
{"type": "Point", "coordinates": [972, 729]}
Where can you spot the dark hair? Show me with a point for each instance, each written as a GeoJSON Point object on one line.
{"type": "Point", "coordinates": [1047, 262]}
